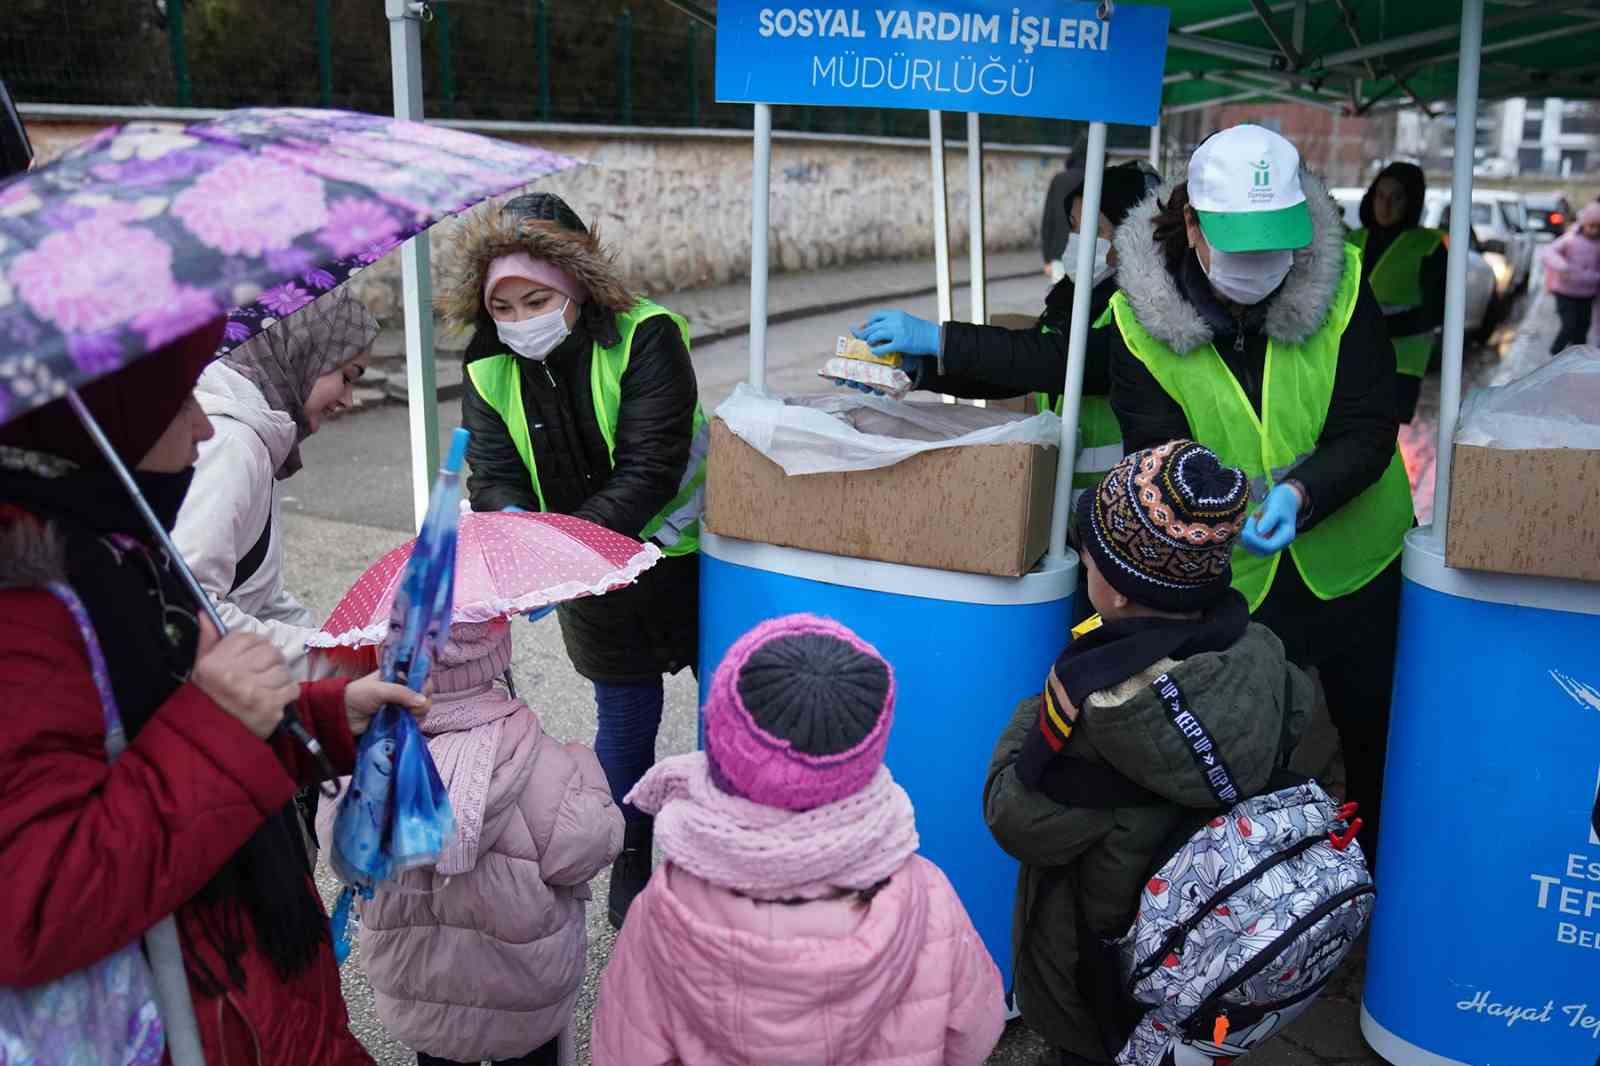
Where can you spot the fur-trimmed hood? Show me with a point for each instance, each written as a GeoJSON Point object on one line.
{"type": "Point", "coordinates": [488, 232]}
{"type": "Point", "coordinates": [1296, 312]}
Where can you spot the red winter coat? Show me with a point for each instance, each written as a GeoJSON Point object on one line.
{"type": "Point", "coordinates": [95, 854]}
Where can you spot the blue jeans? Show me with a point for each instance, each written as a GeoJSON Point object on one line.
{"type": "Point", "coordinates": [630, 715]}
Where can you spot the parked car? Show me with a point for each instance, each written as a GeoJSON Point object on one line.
{"type": "Point", "coordinates": [1483, 291]}
{"type": "Point", "coordinates": [1549, 212]}
{"type": "Point", "coordinates": [1495, 167]}
{"type": "Point", "coordinates": [1506, 231]}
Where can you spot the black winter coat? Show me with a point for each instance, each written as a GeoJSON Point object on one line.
{"type": "Point", "coordinates": [1358, 437]}
{"type": "Point", "coordinates": [991, 362]}
{"type": "Point", "coordinates": [651, 627]}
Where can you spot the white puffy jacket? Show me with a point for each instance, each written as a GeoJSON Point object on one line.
{"type": "Point", "coordinates": [227, 509]}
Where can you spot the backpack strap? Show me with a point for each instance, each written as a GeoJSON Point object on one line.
{"type": "Point", "coordinates": [1202, 748]}
{"type": "Point", "coordinates": [251, 561]}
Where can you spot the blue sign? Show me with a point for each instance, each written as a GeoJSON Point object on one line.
{"type": "Point", "coordinates": [1040, 58]}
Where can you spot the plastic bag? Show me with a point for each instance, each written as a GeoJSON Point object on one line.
{"type": "Point", "coordinates": [857, 431]}
{"type": "Point", "coordinates": [1556, 406]}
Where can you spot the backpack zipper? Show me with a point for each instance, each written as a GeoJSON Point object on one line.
{"type": "Point", "coordinates": [1174, 940]}
{"type": "Point", "coordinates": [1273, 950]}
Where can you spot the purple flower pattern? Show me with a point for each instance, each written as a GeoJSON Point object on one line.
{"type": "Point", "coordinates": [140, 234]}
{"type": "Point", "coordinates": [356, 225]}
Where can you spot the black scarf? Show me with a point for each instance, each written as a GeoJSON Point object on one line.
{"type": "Point", "coordinates": [149, 631]}
{"type": "Point", "coordinates": [1108, 656]}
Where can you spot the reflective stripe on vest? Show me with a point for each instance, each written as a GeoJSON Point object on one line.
{"type": "Point", "coordinates": [1396, 281]}
{"type": "Point", "coordinates": [1346, 549]}
{"type": "Point", "coordinates": [1099, 435]}
{"type": "Point", "coordinates": [498, 379]}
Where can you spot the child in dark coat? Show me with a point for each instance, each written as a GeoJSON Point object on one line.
{"type": "Point", "coordinates": [1155, 539]}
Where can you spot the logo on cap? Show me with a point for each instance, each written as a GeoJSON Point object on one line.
{"type": "Point", "coordinates": [1263, 174]}
{"type": "Point", "coordinates": [1260, 183]}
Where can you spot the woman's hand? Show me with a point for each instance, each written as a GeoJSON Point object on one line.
{"type": "Point", "coordinates": [247, 677]}
{"type": "Point", "coordinates": [896, 331]}
{"type": "Point", "coordinates": [1272, 528]}
{"type": "Point", "coordinates": [364, 697]}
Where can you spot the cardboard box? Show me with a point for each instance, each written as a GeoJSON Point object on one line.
{"type": "Point", "coordinates": [1525, 511]}
{"type": "Point", "coordinates": [984, 510]}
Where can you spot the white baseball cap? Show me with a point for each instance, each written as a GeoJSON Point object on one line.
{"type": "Point", "coordinates": [1244, 183]}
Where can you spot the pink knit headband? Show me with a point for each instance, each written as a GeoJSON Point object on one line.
{"type": "Point", "coordinates": [522, 265]}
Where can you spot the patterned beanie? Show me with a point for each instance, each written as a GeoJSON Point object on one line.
{"type": "Point", "coordinates": [799, 714]}
{"type": "Point", "coordinates": [1160, 527]}
{"type": "Point", "coordinates": [475, 654]}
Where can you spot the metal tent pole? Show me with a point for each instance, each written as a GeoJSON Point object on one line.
{"type": "Point", "coordinates": [760, 201]}
{"type": "Point", "coordinates": [1455, 291]}
{"type": "Point", "coordinates": [416, 284]}
{"type": "Point", "coordinates": [941, 221]}
{"type": "Point", "coordinates": [1155, 146]}
{"type": "Point", "coordinates": [1077, 341]}
{"type": "Point", "coordinates": [978, 282]}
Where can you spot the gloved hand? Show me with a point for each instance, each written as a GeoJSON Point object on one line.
{"type": "Point", "coordinates": [538, 613]}
{"type": "Point", "coordinates": [896, 331]}
{"type": "Point", "coordinates": [511, 508]}
{"type": "Point", "coordinates": [1272, 528]}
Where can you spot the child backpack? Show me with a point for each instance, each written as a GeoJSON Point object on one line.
{"type": "Point", "coordinates": [1243, 922]}
{"type": "Point", "coordinates": [1240, 929]}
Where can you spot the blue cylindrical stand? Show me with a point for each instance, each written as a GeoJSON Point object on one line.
{"type": "Point", "coordinates": [1486, 940]}
{"type": "Point", "coordinates": [965, 648]}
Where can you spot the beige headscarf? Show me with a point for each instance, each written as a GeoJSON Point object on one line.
{"type": "Point", "coordinates": [285, 361]}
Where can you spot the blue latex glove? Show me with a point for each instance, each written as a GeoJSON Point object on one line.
{"type": "Point", "coordinates": [535, 615]}
{"type": "Point", "coordinates": [896, 331]}
{"type": "Point", "coordinates": [512, 508]}
{"type": "Point", "coordinates": [1272, 528]}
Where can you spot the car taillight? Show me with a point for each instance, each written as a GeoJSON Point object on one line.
{"type": "Point", "coordinates": [1557, 218]}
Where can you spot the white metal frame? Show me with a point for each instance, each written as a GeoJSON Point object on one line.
{"type": "Point", "coordinates": [977, 280]}
{"type": "Point", "coordinates": [941, 215]}
{"type": "Point", "coordinates": [1455, 292]}
{"type": "Point", "coordinates": [416, 281]}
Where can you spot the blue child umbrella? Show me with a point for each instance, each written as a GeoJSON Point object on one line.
{"type": "Point", "coordinates": [396, 814]}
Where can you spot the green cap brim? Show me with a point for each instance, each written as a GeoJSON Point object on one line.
{"type": "Point", "coordinates": [1257, 231]}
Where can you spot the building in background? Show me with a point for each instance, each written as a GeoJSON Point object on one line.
{"type": "Point", "coordinates": [1550, 136]}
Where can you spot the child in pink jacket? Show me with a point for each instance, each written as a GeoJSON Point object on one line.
{"type": "Point", "coordinates": [793, 923]}
{"type": "Point", "coordinates": [481, 957]}
{"type": "Point", "coordinates": [1572, 274]}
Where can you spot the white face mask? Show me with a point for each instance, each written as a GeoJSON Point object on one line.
{"type": "Point", "coordinates": [1247, 277]}
{"type": "Point", "coordinates": [536, 337]}
{"type": "Point", "coordinates": [1102, 249]}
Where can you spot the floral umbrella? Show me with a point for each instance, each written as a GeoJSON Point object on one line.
{"type": "Point", "coordinates": [506, 563]}
{"type": "Point", "coordinates": [145, 231]}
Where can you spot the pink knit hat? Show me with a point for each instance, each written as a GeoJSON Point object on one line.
{"type": "Point", "coordinates": [1590, 214]}
{"type": "Point", "coordinates": [799, 714]}
{"type": "Point", "coordinates": [522, 265]}
{"type": "Point", "coordinates": [476, 654]}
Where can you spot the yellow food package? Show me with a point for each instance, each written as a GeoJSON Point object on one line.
{"type": "Point", "coordinates": [851, 348]}
{"type": "Point", "coordinates": [1087, 626]}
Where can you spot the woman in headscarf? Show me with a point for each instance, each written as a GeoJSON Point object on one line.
{"type": "Point", "coordinates": [263, 398]}
{"type": "Point", "coordinates": [1403, 262]}
{"type": "Point", "coordinates": [194, 816]}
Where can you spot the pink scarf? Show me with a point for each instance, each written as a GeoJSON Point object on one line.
{"type": "Point", "coordinates": [769, 853]}
{"type": "Point", "coordinates": [464, 732]}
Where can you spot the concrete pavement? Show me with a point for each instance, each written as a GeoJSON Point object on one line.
{"type": "Point", "coordinates": [351, 504]}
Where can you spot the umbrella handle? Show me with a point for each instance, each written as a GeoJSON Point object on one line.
{"type": "Point", "coordinates": [291, 721]}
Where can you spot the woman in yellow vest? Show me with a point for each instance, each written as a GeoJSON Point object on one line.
{"type": "Point", "coordinates": [990, 362]}
{"type": "Point", "coordinates": [581, 399]}
{"type": "Point", "coordinates": [1243, 324]}
{"type": "Point", "coordinates": [1404, 264]}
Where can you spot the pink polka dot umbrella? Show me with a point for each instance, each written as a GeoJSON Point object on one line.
{"type": "Point", "coordinates": [507, 563]}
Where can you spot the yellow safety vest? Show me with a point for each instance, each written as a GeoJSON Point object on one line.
{"type": "Point", "coordinates": [1099, 435]}
{"type": "Point", "coordinates": [498, 380]}
{"type": "Point", "coordinates": [1346, 549]}
{"type": "Point", "coordinates": [1396, 281]}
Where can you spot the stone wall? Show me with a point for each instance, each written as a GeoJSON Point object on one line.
{"type": "Point", "coordinates": [675, 204]}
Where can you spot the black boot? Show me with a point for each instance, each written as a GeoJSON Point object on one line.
{"type": "Point", "coordinates": [631, 870]}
